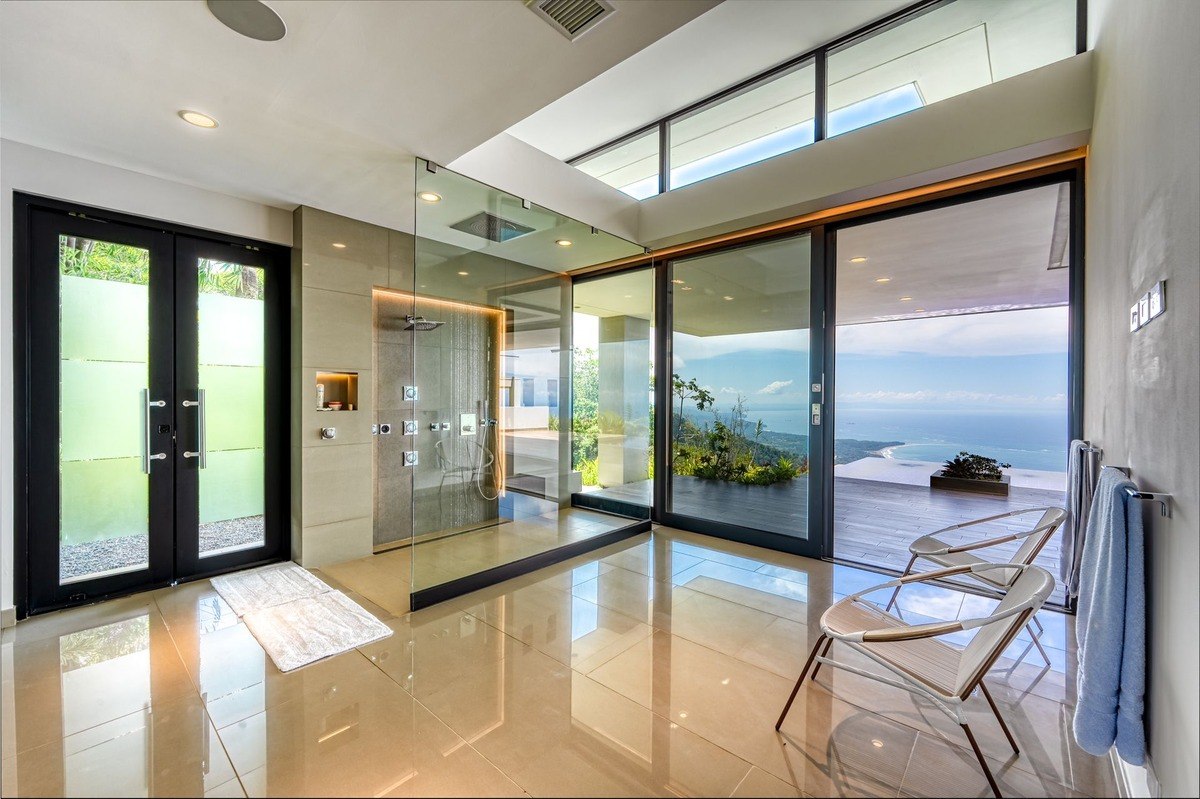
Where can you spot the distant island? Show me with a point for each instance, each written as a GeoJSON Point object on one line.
{"type": "Point", "coordinates": [846, 450]}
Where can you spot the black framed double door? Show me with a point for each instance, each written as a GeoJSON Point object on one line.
{"type": "Point", "coordinates": [154, 406]}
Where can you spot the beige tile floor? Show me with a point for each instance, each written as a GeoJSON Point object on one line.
{"type": "Point", "coordinates": [653, 667]}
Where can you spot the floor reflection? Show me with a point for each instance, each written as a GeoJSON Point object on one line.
{"type": "Point", "coordinates": [651, 667]}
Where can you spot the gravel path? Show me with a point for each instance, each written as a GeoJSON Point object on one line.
{"type": "Point", "coordinates": [78, 560]}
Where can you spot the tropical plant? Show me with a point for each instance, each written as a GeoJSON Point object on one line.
{"type": "Point", "coordinates": [690, 390]}
{"type": "Point", "coordinates": [966, 466]}
{"type": "Point", "coordinates": [590, 470]}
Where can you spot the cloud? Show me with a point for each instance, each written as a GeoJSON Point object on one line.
{"type": "Point", "coordinates": [775, 388]}
{"type": "Point", "coordinates": [972, 397]}
{"type": "Point", "coordinates": [1031, 332]}
{"type": "Point", "coordinates": [729, 390]}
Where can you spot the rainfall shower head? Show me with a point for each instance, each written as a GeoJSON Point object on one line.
{"type": "Point", "coordinates": [420, 323]}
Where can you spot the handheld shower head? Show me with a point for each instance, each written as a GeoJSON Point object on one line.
{"type": "Point", "coordinates": [420, 323]}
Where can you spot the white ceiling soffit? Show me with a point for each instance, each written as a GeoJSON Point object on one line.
{"type": "Point", "coordinates": [1001, 253]}
{"type": "Point", "coordinates": [725, 46]}
{"type": "Point", "coordinates": [329, 116]}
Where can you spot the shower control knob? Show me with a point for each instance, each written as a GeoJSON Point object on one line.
{"type": "Point", "coordinates": [410, 458]}
{"type": "Point", "coordinates": [385, 429]}
{"type": "Point", "coordinates": [411, 393]}
{"type": "Point", "coordinates": [328, 432]}
{"type": "Point", "coordinates": [410, 427]}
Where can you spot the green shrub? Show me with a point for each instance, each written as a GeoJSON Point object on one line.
{"type": "Point", "coordinates": [590, 469]}
{"type": "Point", "coordinates": [966, 466]}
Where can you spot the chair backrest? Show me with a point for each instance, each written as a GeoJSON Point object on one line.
{"type": "Point", "coordinates": [1052, 519]}
{"type": "Point", "coordinates": [439, 451]}
{"type": "Point", "coordinates": [1026, 595]}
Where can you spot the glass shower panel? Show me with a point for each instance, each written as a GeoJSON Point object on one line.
{"type": "Point", "coordinates": [490, 379]}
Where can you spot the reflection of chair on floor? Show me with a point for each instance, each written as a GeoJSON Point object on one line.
{"type": "Point", "coordinates": [917, 661]}
{"type": "Point", "coordinates": [936, 550]}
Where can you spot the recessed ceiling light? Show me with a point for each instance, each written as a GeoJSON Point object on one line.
{"type": "Point", "coordinates": [727, 297]}
{"type": "Point", "coordinates": [677, 282]}
{"type": "Point", "coordinates": [858, 259]}
{"type": "Point", "coordinates": [429, 196]}
{"type": "Point", "coordinates": [338, 245]}
{"type": "Point", "coordinates": [906, 299]}
{"type": "Point", "coordinates": [464, 274]}
{"type": "Point", "coordinates": [252, 19]}
{"type": "Point", "coordinates": [686, 288]}
{"type": "Point", "coordinates": [198, 119]}
{"type": "Point", "coordinates": [875, 742]}
{"type": "Point", "coordinates": [918, 310]}
{"type": "Point", "coordinates": [629, 296]}
{"type": "Point", "coordinates": [883, 280]}
{"type": "Point", "coordinates": [563, 242]}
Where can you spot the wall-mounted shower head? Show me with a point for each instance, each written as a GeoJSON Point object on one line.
{"type": "Point", "coordinates": [420, 323]}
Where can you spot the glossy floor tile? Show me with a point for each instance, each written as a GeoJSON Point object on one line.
{"type": "Point", "coordinates": [656, 666]}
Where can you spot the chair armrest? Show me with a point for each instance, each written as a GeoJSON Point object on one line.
{"type": "Point", "coordinates": [986, 519]}
{"type": "Point", "coordinates": [1004, 539]}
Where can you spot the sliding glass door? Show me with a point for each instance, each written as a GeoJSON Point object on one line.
{"type": "Point", "coordinates": [743, 395]}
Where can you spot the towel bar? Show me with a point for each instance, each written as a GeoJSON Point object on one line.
{"type": "Point", "coordinates": [1163, 500]}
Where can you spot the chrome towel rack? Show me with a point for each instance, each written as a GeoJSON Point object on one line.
{"type": "Point", "coordinates": [1163, 500]}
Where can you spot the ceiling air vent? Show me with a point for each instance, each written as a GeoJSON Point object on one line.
{"type": "Point", "coordinates": [572, 18]}
{"type": "Point", "coordinates": [492, 227]}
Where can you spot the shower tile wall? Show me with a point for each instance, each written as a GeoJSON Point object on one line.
{"type": "Point", "coordinates": [453, 367]}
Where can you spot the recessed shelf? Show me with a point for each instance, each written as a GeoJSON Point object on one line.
{"type": "Point", "coordinates": [336, 391]}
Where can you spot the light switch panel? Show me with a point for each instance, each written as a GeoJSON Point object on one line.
{"type": "Point", "coordinates": [1144, 309]}
{"type": "Point", "coordinates": [1135, 318]}
{"type": "Point", "coordinates": [1158, 299]}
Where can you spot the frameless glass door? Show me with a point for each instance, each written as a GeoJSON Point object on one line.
{"type": "Point", "coordinates": [741, 404]}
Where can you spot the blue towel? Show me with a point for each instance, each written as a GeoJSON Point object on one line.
{"type": "Point", "coordinates": [1110, 629]}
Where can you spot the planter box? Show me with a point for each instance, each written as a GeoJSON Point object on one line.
{"type": "Point", "coordinates": [995, 487]}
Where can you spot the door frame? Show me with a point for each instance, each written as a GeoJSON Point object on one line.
{"type": "Point", "coordinates": [813, 545]}
{"type": "Point", "coordinates": [1071, 173]}
{"type": "Point", "coordinates": [277, 482]}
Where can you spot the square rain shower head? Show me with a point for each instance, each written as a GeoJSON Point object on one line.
{"type": "Point", "coordinates": [492, 227]}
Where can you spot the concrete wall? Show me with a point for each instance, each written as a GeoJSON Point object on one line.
{"type": "Point", "coordinates": [1040, 112]}
{"type": "Point", "coordinates": [1142, 392]}
{"type": "Point", "coordinates": [50, 174]}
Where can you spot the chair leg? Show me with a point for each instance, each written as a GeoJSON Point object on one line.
{"type": "Point", "coordinates": [996, 711]}
{"type": "Point", "coordinates": [1037, 642]}
{"type": "Point", "coordinates": [1034, 619]}
{"type": "Point", "coordinates": [824, 652]}
{"type": "Point", "coordinates": [982, 762]}
{"type": "Point", "coordinates": [812, 656]}
{"type": "Point", "coordinates": [896, 593]}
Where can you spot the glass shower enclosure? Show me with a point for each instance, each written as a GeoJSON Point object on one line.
{"type": "Point", "coordinates": [477, 354]}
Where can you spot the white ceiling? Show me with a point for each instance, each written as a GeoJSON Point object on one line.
{"type": "Point", "coordinates": [735, 40]}
{"type": "Point", "coordinates": [329, 116]}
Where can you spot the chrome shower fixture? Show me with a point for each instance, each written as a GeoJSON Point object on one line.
{"type": "Point", "coordinates": [420, 323]}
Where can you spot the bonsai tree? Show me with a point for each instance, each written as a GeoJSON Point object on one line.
{"type": "Point", "coordinates": [966, 466]}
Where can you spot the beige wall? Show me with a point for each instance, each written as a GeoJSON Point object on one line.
{"type": "Point", "coordinates": [1142, 391]}
{"type": "Point", "coordinates": [333, 330]}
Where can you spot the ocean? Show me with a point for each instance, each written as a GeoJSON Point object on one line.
{"type": "Point", "coordinates": [1028, 439]}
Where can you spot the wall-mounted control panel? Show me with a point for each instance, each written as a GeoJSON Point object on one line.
{"type": "Point", "coordinates": [468, 424]}
{"type": "Point", "coordinates": [1149, 306]}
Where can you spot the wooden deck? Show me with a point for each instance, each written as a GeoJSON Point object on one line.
{"type": "Point", "coordinates": [874, 522]}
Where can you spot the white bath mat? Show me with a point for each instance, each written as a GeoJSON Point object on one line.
{"type": "Point", "coordinates": [267, 587]}
{"type": "Point", "coordinates": [312, 628]}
